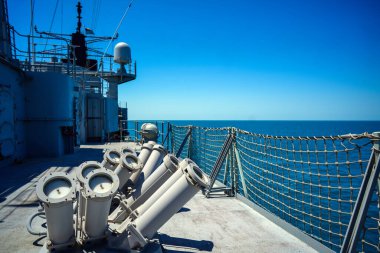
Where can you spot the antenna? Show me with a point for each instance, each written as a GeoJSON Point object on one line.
{"type": "Point", "coordinates": [79, 10]}
{"type": "Point", "coordinates": [32, 29]}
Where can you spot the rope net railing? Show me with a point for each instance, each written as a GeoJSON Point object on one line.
{"type": "Point", "coordinates": [204, 145]}
{"type": "Point", "coordinates": [310, 182]}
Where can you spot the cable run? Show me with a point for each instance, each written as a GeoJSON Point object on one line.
{"type": "Point", "coordinates": [114, 34]}
{"type": "Point", "coordinates": [97, 14]}
{"type": "Point", "coordinates": [93, 13]}
{"type": "Point", "coordinates": [32, 2]}
{"type": "Point", "coordinates": [52, 22]}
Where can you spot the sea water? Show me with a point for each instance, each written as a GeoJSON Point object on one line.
{"type": "Point", "coordinates": [290, 127]}
{"type": "Point", "coordinates": [279, 127]}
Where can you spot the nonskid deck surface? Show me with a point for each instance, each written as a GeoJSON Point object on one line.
{"type": "Point", "coordinates": [225, 224]}
{"type": "Point", "coordinates": [217, 224]}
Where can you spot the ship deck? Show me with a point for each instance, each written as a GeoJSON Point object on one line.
{"type": "Point", "coordinates": [216, 224]}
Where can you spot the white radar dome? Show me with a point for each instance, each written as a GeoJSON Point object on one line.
{"type": "Point", "coordinates": [122, 53]}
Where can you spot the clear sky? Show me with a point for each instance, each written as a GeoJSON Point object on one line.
{"type": "Point", "coordinates": [246, 60]}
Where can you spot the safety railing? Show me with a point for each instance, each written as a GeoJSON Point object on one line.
{"type": "Point", "coordinates": [310, 182]}
{"type": "Point", "coordinates": [49, 52]}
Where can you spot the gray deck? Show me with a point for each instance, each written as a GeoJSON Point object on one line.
{"type": "Point", "coordinates": [218, 224]}
{"type": "Point", "coordinates": [225, 224]}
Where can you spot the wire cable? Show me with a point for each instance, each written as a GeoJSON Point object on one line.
{"type": "Point", "coordinates": [94, 8]}
{"type": "Point", "coordinates": [61, 21]}
{"type": "Point", "coordinates": [97, 14]}
{"type": "Point", "coordinates": [32, 2]}
{"type": "Point", "coordinates": [52, 22]}
{"type": "Point", "coordinates": [29, 224]}
{"type": "Point", "coordinates": [117, 28]}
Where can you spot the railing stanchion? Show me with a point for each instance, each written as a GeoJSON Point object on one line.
{"type": "Point", "coordinates": [232, 170]}
{"type": "Point", "coordinates": [240, 168]}
{"type": "Point", "coordinates": [14, 43]}
{"type": "Point", "coordinates": [29, 54]}
{"type": "Point", "coordinates": [172, 138]}
{"type": "Point", "coordinates": [359, 214]}
{"type": "Point", "coordinates": [226, 170]}
{"type": "Point", "coordinates": [68, 59]}
{"type": "Point", "coordinates": [189, 145]}
{"type": "Point", "coordinates": [168, 129]}
{"type": "Point", "coordinates": [188, 134]}
{"type": "Point", "coordinates": [135, 131]}
{"type": "Point", "coordinates": [376, 146]}
{"type": "Point", "coordinates": [162, 133]}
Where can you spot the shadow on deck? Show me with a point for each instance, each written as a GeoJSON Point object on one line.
{"type": "Point", "coordinates": [17, 175]}
{"type": "Point", "coordinates": [177, 244]}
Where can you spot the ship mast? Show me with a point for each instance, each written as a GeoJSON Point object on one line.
{"type": "Point", "coordinates": [79, 10]}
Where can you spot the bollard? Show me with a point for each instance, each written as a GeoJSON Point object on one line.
{"type": "Point", "coordinates": [146, 150]}
{"type": "Point", "coordinates": [147, 224]}
{"type": "Point", "coordinates": [128, 166]}
{"type": "Point", "coordinates": [111, 159]}
{"type": "Point", "coordinates": [57, 192]}
{"type": "Point", "coordinates": [99, 188]}
{"type": "Point", "coordinates": [158, 178]}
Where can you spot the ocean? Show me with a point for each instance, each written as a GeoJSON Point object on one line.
{"type": "Point", "coordinates": [291, 127]}
{"type": "Point", "coordinates": [281, 127]}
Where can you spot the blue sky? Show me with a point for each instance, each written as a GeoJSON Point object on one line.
{"type": "Point", "coordinates": [245, 60]}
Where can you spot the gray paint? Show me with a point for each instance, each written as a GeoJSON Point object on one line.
{"type": "Point", "coordinates": [165, 207]}
{"type": "Point", "coordinates": [151, 164]}
{"type": "Point", "coordinates": [59, 211]}
{"type": "Point", "coordinates": [98, 204]}
{"type": "Point", "coordinates": [286, 226]}
{"type": "Point", "coordinates": [128, 166]}
{"type": "Point", "coordinates": [158, 193]}
{"type": "Point", "coordinates": [12, 131]}
{"type": "Point", "coordinates": [48, 107]}
{"type": "Point", "coordinates": [155, 181]}
{"type": "Point", "coordinates": [111, 114]}
{"type": "Point", "coordinates": [146, 150]}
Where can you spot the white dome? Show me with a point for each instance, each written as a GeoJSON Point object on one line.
{"type": "Point", "coordinates": [122, 53]}
{"type": "Point", "coordinates": [149, 131]}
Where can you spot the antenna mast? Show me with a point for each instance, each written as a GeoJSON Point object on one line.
{"type": "Point", "coordinates": [79, 10]}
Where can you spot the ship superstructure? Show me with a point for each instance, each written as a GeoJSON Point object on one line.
{"type": "Point", "coordinates": [57, 90]}
{"type": "Point", "coordinates": [259, 192]}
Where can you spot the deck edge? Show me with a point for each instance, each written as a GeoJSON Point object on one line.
{"type": "Point", "coordinates": [286, 226]}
